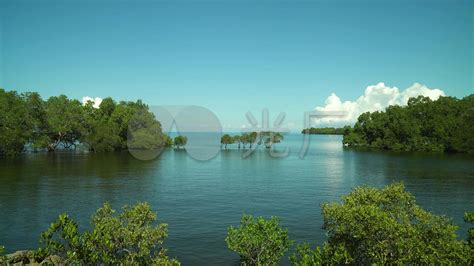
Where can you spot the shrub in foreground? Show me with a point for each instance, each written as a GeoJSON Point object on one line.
{"type": "Point", "coordinates": [384, 226]}
{"type": "Point", "coordinates": [258, 241]}
{"type": "Point", "coordinates": [469, 218]}
{"type": "Point", "coordinates": [128, 238]}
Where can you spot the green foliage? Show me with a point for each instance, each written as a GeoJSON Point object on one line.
{"type": "Point", "coordinates": [462, 138]}
{"type": "Point", "coordinates": [226, 139]}
{"type": "Point", "coordinates": [125, 239]}
{"type": "Point", "coordinates": [168, 141]}
{"type": "Point", "coordinates": [269, 138]}
{"type": "Point", "coordinates": [469, 218]}
{"type": "Point", "coordinates": [305, 256]}
{"type": "Point", "coordinates": [385, 226]}
{"type": "Point", "coordinates": [328, 255]}
{"type": "Point", "coordinates": [237, 139]}
{"type": "Point", "coordinates": [2, 250]}
{"type": "Point", "coordinates": [253, 138]}
{"type": "Point", "coordinates": [102, 133]}
{"type": "Point", "coordinates": [64, 123]}
{"type": "Point", "coordinates": [444, 125]}
{"type": "Point", "coordinates": [103, 137]}
{"type": "Point", "coordinates": [37, 113]}
{"type": "Point", "coordinates": [245, 139]}
{"type": "Point", "coordinates": [62, 238]}
{"type": "Point", "coordinates": [258, 241]}
{"type": "Point", "coordinates": [324, 131]}
{"type": "Point", "coordinates": [16, 123]}
{"type": "Point", "coordinates": [124, 125]}
{"type": "Point", "coordinates": [180, 141]}
{"type": "Point", "coordinates": [144, 132]}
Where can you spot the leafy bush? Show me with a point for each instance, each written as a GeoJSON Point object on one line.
{"type": "Point", "coordinates": [258, 241]}
{"type": "Point", "coordinates": [2, 250]}
{"type": "Point", "coordinates": [384, 226]}
{"type": "Point", "coordinates": [469, 218]}
{"type": "Point", "coordinates": [327, 255]}
{"type": "Point", "coordinates": [127, 238]}
{"type": "Point", "coordinates": [305, 256]}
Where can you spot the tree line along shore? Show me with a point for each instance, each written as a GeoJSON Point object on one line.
{"type": "Point", "coordinates": [27, 122]}
{"type": "Point", "coordinates": [443, 125]}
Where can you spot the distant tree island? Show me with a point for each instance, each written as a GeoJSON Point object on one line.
{"type": "Point", "coordinates": [268, 138]}
{"type": "Point", "coordinates": [324, 131]}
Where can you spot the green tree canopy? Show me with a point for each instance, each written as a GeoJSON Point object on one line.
{"type": "Point", "coordinates": [258, 241]}
{"type": "Point", "coordinates": [144, 131]}
{"type": "Point", "coordinates": [129, 238]}
{"type": "Point", "coordinates": [384, 227]}
{"type": "Point", "coordinates": [64, 122]}
{"type": "Point", "coordinates": [226, 139]}
{"type": "Point", "coordinates": [443, 125]}
{"type": "Point", "coordinates": [244, 139]}
{"type": "Point", "coordinates": [180, 141]}
{"type": "Point", "coordinates": [16, 122]}
{"type": "Point", "coordinates": [269, 138]}
{"type": "Point", "coordinates": [252, 138]}
{"type": "Point", "coordinates": [237, 139]}
{"type": "Point", "coordinates": [61, 122]}
{"type": "Point", "coordinates": [469, 218]}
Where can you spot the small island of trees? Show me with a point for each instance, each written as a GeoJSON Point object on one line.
{"type": "Point", "coordinates": [267, 138]}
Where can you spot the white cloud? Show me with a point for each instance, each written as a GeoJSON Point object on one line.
{"type": "Point", "coordinates": [96, 101]}
{"type": "Point", "coordinates": [376, 98]}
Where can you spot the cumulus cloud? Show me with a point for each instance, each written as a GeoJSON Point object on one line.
{"type": "Point", "coordinates": [96, 101]}
{"type": "Point", "coordinates": [376, 98]}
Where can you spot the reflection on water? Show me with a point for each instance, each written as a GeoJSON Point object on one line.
{"type": "Point", "coordinates": [200, 199]}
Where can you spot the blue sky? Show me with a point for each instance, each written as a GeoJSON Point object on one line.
{"type": "Point", "coordinates": [235, 56]}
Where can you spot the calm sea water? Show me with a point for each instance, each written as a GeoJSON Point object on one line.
{"type": "Point", "coordinates": [200, 199]}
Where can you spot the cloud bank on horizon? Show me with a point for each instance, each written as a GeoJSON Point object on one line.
{"type": "Point", "coordinates": [376, 98]}
{"type": "Point", "coordinates": [96, 101]}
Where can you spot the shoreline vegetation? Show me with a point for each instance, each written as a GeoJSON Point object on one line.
{"type": "Point", "coordinates": [443, 125]}
{"type": "Point", "coordinates": [424, 125]}
{"type": "Point", "coordinates": [368, 226]}
{"type": "Point", "coordinates": [27, 122]}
